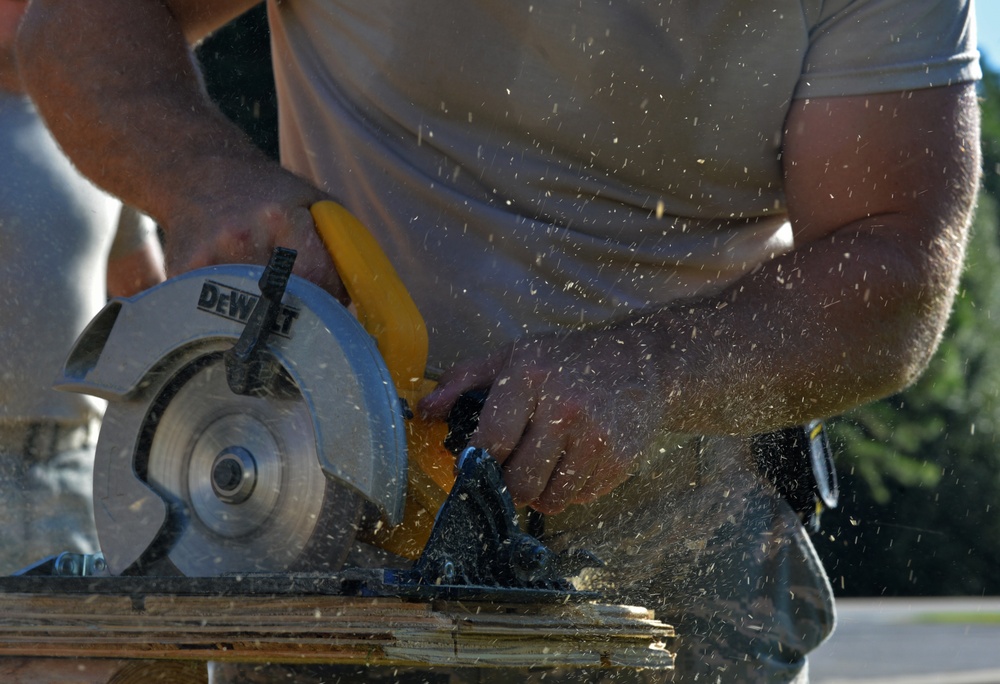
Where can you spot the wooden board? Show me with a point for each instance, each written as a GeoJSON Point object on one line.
{"type": "Point", "coordinates": [96, 671]}
{"type": "Point", "coordinates": [331, 629]}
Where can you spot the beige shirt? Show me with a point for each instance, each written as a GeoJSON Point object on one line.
{"type": "Point", "coordinates": [530, 166]}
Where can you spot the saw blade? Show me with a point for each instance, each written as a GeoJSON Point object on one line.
{"type": "Point", "coordinates": [243, 478]}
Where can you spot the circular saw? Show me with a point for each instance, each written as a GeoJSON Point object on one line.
{"type": "Point", "coordinates": [254, 423]}
{"type": "Point", "coordinates": [251, 416]}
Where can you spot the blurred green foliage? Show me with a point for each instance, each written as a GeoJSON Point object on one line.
{"type": "Point", "coordinates": [990, 96]}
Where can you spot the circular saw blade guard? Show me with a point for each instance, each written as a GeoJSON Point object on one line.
{"type": "Point", "coordinates": [135, 348]}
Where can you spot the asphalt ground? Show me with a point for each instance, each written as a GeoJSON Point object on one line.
{"type": "Point", "coordinates": [912, 641]}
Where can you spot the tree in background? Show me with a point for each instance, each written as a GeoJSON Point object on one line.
{"type": "Point", "coordinates": [990, 94]}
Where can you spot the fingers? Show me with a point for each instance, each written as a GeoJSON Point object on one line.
{"type": "Point", "coordinates": [562, 461]}
{"type": "Point", "coordinates": [572, 475]}
{"type": "Point", "coordinates": [544, 473]}
{"type": "Point", "coordinates": [248, 234]}
{"type": "Point", "coordinates": [213, 235]}
{"type": "Point", "coordinates": [527, 447]}
{"type": "Point", "coordinates": [549, 444]}
{"type": "Point", "coordinates": [507, 422]}
{"type": "Point", "coordinates": [313, 262]}
{"type": "Point", "coordinates": [529, 460]}
{"type": "Point", "coordinates": [550, 429]}
{"type": "Point", "coordinates": [456, 382]}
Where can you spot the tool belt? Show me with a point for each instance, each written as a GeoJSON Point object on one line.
{"type": "Point", "coordinates": [798, 461]}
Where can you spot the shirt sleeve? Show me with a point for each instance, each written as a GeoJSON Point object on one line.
{"type": "Point", "coordinates": [859, 47]}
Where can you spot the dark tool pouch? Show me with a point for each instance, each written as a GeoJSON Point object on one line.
{"type": "Point", "coordinates": [799, 462]}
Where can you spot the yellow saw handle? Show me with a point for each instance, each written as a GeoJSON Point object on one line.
{"type": "Point", "coordinates": [383, 305]}
{"type": "Point", "coordinates": [386, 310]}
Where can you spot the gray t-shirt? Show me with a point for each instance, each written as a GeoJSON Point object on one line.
{"type": "Point", "coordinates": [528, 166]}
{"type": "Point", "coordinates": [56, 232]}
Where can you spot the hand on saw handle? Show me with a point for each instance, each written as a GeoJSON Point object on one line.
{"type": "Point", "coordinates": [566, 415]}
{"type": "Point", "coordinates": [271, 209]}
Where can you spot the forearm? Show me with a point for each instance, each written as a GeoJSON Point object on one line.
{"type": "Point", "coordinates": [124, 100]}
{"type": "Point", "coordinates": [880, 190]}
{"type": "Point", "coordinates": [848, 319]}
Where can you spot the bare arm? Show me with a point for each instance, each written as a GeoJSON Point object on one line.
{"type": "Point", "coordinates": [124, 100]}
{"type": "Point", "coordinates": [880, 189]}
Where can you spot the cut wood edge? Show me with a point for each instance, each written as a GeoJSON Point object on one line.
{"type": "Point", "coordinates": [334, 630]}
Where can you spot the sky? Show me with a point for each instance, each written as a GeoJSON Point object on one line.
{"type": "Point", "coordinates": [988, 21]}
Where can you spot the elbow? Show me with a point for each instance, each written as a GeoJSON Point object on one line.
{"type": "Point", "coordinates": [912, 316]}
{"type": "Point", "coordinates": [903, 346]}
{"type": "Point", "coordinates": [905, 362]}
